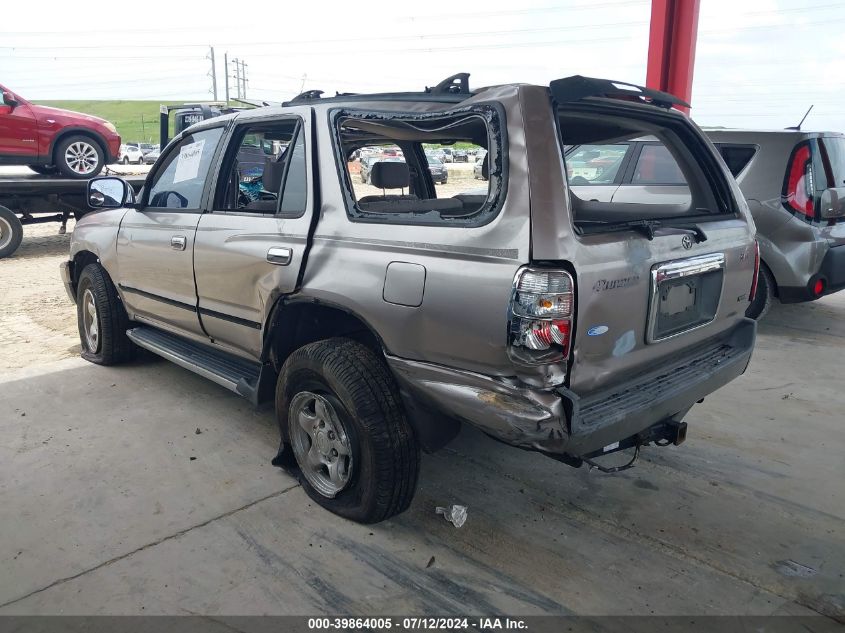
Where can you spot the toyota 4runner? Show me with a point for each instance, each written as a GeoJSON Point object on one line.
{"type": "Point", "coordinates": [381, 316]}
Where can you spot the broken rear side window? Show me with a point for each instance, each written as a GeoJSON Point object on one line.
{"type": "Point", "coordinates": [654, 168]}
{"type": "Point", "coordinates": [412, 168]}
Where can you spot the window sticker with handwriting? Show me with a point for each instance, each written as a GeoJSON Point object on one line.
{"type": "Point", "coordinates": [188, 163]}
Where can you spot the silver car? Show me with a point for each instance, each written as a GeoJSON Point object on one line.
{"type": "Point", "coordinates": [794, 184]}
{"type": "Point", "coordinates": [381, 317]}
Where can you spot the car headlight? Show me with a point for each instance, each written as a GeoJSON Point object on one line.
{"type": "Point", "coordinates": [110, 127]}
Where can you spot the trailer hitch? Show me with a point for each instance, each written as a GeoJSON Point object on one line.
{"type": "Point", "coordinates": [664, 433]}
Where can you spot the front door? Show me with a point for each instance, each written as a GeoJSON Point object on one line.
{"type": "Point", "coordinates": [250, 247]}
{"type": "Point", "coordinates": [18, 131]}
{"type": "Point", "coordinates": [155, 244]}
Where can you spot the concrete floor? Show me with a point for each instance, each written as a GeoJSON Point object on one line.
{"type": "Point", "coordinates": [104, 510]}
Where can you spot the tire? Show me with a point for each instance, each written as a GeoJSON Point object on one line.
{"type": "Point", "coordinates": [342, 381]}
{"type": "Point", "coordinates": [125, 160]}
{"type": "Point", "coordinates": [79, 156]}
{"type": "Point", "coordinates": [758, 308]}
{"type": "Point", "coordinates": [109, 345]}
{"type": "Point", "coordinates": [11, 232]}
{"type": "Point", "coordinates": [44, 170]}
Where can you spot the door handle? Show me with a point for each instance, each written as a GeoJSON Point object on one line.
{"type": "Point", "coordinates": [279, 255]}
{"type": "Point", "coordinates": [177, 242]}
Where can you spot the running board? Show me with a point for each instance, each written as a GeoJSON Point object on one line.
{"type": "Point", "coordinates": [227, 370]}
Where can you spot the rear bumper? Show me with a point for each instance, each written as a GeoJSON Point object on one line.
{"type": "Point", "coordinates": [66, 271]}
{"type": "Point", "coordinates": [560, 421]}
{"type": "Point", "coordinates": [831, 272]}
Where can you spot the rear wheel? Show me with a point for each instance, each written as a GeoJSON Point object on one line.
{"type": "Point", "coordinates": [102, 319]}
{"type": "Point", "coordinates": [758, 308]}
{"type": "Point", "coordinates": [340, 413]}
{"type": "Point", "coordinates": [79, 157]}
{"type": "Point", "coordinates": [11, 232]}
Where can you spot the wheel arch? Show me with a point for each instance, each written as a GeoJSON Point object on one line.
{"type": "Point", "coordinates": [81, 131]}
{"type": "Point", "coordinates": [296, 322]}
{"type": "Point", "coordinates": [80, 260]}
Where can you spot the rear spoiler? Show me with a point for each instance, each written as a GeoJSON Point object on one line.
{"type": "Point", "coordinates": [577, 87]}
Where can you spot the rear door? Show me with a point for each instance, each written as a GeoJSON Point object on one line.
{"type": "Point", "coordinates": [251, 246]}
{"type": "Point", "coordinates": [155, 244]}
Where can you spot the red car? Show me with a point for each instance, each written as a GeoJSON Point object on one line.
{"type": "Point", "coordinates": [51, 140]}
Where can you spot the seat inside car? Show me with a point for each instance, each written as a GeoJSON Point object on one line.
{"type": "Point", "coordinates": [395, 175]}
{"type": "Point", "coordinates": [271, 182]}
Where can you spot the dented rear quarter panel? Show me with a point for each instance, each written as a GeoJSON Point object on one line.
{"type": "Point", "coordinates": [462, 319]}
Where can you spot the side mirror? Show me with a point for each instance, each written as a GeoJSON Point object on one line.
{"type": "Point", "coordinates": [108, 192]}
{"type": "Point", "coordinates": [9, 99]}
{"type": "Point", "coordinates": [833, 203]}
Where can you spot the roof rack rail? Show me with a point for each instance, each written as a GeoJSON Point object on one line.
{"type": "Point", "coordinates": [308, 95]}
{"type": "Point", "coordinates": [578, 87]}
{"type": "Point", "coordinates": [456, 84]}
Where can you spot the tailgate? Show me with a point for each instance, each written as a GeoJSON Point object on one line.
{"type": "Point", "coordinates": [641, 303]}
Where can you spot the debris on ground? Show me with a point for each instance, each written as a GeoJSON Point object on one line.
{"type": "Point", "coordinates": [430, 562]}
{"type": "Point", "coordinates": [456, 515]}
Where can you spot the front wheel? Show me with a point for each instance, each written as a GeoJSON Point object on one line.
{"type": "Point", "coordinates": [758, 308]}
{"type": "Point", "coordinates": [102, 319]}
{"type": "Point", "coordinates": [340, 413]}
{"type": "Point", "coordinates": [79, 157]}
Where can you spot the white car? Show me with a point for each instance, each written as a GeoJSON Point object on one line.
{"type": "Point", "coordinates": [130, 154]}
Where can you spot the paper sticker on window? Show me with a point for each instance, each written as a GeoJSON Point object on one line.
{"type": "Point", "coordinates": [188, 163]}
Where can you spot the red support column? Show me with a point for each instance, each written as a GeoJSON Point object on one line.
{"type": "Point", "coordinates": [671, 46]}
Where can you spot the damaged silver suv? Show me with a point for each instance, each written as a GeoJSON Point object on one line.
{"type": "Point", "coordinates": [382, 315]}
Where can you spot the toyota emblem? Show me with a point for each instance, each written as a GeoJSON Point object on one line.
{"type": "Point", "coordinates": [686, 240]}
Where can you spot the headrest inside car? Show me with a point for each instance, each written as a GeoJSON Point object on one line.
{"type": "Point", "coordinates": [271, 179]}
{"type": "Point", "coordinates": [390, 175]}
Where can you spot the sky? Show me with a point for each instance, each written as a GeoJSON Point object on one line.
{"type": "Point", "coordinates": [759, 63]}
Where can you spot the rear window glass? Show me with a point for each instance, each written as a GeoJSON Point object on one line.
{"type": "Point", "coordinates": [656, 166]}
{"type": "Point", "coordinates": [671, 171]}
{"type": "Point", "coordinates": [736, 157]}
{"type": "Point", "coordinates": [438, 168]}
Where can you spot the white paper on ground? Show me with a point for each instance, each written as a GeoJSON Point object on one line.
{"type": "Point", "coordinates": [188, 163]}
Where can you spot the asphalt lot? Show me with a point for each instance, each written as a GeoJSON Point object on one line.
{"type": "Point", "coordinates": [113, 503]}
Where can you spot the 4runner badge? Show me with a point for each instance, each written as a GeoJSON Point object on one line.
{"type": "Point", "coordinates": [686, 241]}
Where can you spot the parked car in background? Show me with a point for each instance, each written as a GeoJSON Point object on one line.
{"type": "Point", "coordinates": [558, 325]}
{"type": "Point", "coordinates": [480, 169]}
{"type": "Point", "coordinates": [130, 154]}
{"type": "Point", "coordinates": [147, 147]}
{"type": "Point", "coordinates": [448, 154]}
{"type": "Point", "coordinates": [52, 140]}
{"type": "Point", "coordinates": [460, 156]}
{"type": "Point", "coordinates": [794, 183]}
{"type": "Point", "coordinates": [438, 171]}
{"type": "Point", "coordinates": [151, 156]}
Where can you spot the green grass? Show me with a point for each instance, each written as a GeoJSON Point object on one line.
{"type": "Point", "coordinates": [126, 116]}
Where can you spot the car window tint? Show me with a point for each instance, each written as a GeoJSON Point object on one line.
{"type": "Point", "coordinates": [736, 157]}
{"type": "Point", "coordinates": [295, 193]}
{"type": "Point", "coordinates": [180, 181]}
{"type": "Point", "coordinates": [656, 166]}
{"type": "Point", "coordinates": [594, 164]}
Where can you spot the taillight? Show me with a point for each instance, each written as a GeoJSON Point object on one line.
{"type": "Point", "coordinates": [540, 316]}
{"type": "Point", "coordinates": [799, 190]}
{"type": "Point", "coordinates": [753, 292]}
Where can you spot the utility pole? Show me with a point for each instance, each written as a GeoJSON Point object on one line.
{"type": "Point", "coordinates": [237, 76]}
{"type": "Point", "coordinates": [213, 74]}
{"type": "Point", "coordinates": [226, 73]}
{"type": "Point", "coordinates": [243, 76]}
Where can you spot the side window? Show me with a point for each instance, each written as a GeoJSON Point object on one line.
{"type": "Point", "coordinates": [180, 180]}
{"type": "Point", "coordinates": [736, 157]}
{"type": "Point", "coordinates": [295, 192]}
{"type": "Point", "coordinates": [419, 168]}
{"type": "Point", "coordinates": [595, 164]}
{"type": "Point", "coordinates": [254, 168]}
{"type": "Point", "coordinates": [656, 166]}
